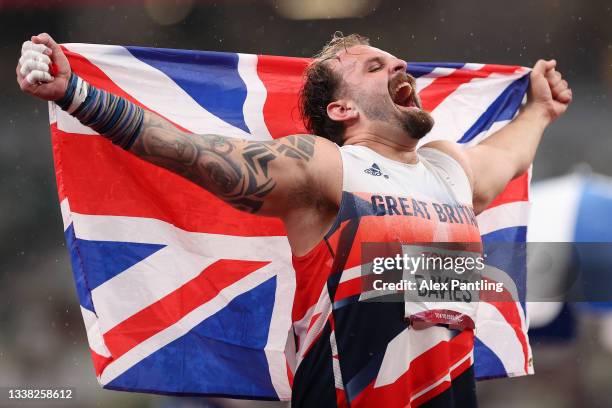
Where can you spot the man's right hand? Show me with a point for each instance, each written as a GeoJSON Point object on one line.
{"type": "Point", "coordinates": [34, 68]}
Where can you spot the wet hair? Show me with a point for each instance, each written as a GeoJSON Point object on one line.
{"type": "Point", "coordinates": [322, 85]}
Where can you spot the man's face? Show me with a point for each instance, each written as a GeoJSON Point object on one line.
{"type": "Point", "coordinates": [378, 84]}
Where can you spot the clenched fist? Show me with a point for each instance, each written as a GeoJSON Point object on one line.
{"type": "Point", "coordinates": [548, 91]}
{"type": "Point", "coordinates": [34, 73]}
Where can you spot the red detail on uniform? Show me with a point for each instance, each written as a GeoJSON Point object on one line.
{"type": "Point", "coordinates": [424, 371]}
{"type": "Point", "coordinates": [314, 268]}
{"type": "Point", "coordinates": [341, 401]}
{"type": "Point", "coordinates": [310, 281]}
{"type": "Point", "coordinates": [349, 288]}
{"type": "Point", "coordinates": [332, 323]}
{"type": "Point", "coordinates": [430, 318]}
{"type": "Point", "coordinates": [393, 228]}
{"type": "Point", "coordinates": [443, 386]}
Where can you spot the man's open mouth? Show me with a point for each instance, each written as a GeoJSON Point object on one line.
{"type": "Point", "coordinates": [402, 93]}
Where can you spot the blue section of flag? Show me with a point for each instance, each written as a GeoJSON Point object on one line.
{"type": "Point", "coordinates": [511, 234]}
{"type": "Point", "coordinates": [511, 258]}
{"type": "Point", "coordinates": [418, 69]}
{"type": "Point", "coordinates": [488, 364]}
{"type": "Point", "coordinates": [493, 242]}
{"type": "Point", "coordinates": [102, 260]}
{"type": "Point", "coordinates": [210, 78]}
{"type": "Point", "coordinates": [222, 355]}
{"type": "Point", "coordinates": [503, 108]}
{"type": "Point", "coordinates": [83, 291]}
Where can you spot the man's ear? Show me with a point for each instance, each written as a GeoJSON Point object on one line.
{"type": "Point", "coordinates": [342, 111]}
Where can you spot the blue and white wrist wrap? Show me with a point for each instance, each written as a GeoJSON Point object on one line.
{"type": "Point", "coordinates": [114, 117]}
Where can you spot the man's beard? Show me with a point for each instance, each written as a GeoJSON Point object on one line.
{"type": "Point", "coordinates": [416, 122]}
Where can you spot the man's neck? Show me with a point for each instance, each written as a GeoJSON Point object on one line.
{"type": "Point", "coordinates": [405, 153]}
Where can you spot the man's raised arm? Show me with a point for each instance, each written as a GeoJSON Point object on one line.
{"type": "Point", "coordinates": [268, 177]}
{"type": "Point", "coordinates": [509, 152]}
{"type": "Point", "coordinates": [252, 176]}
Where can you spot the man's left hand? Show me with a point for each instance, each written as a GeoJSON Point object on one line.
{"type": "Point", "coordinates": [549, 93]}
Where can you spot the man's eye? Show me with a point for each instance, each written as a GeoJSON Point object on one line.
{"type": "Point", "coordinates": [374, 68]}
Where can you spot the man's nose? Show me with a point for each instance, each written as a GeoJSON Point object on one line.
{"type": "Point", "coordinates": [399, 66]}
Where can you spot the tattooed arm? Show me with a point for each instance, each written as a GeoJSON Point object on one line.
{"type": "Point", "coordinates": [257, 177]}
{"type": "Point", "coordinates": [293, 178]}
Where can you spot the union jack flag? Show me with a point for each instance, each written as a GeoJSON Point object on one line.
{"type": "Point", "coordinates": [182, 294]}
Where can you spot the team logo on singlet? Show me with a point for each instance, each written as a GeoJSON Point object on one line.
{"type": "Point", "coordinates": [374, 170]}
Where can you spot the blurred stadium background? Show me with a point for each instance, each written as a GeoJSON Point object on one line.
{"type": "Point", "coordinates": [42, 340]}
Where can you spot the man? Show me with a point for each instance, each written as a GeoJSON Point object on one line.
{"type": "Point", "coordinates": [376, 188]}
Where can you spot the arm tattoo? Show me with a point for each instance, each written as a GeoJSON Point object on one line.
{"type": "Point", "coordinates": [235, 170]}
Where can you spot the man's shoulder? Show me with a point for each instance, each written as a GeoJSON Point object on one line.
{"type": "Point", "coordinates": [446, 146]}
{"type": "Point", "coordinates": [308, 144]}
{"type": "Point", "coordinates": [323, 167]}
{"type": "Point", "coordinates": [454, 151]}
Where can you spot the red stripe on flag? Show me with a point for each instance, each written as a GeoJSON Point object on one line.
{"type": "Point", "coordinates": [440, 88]}
{"type": "Point", "coordinates": [174, 306]}
{"type": "Point", "coordinates": [95, 76]}
{"type": "Point", "coordinates": [282, 77]}
{"type": "Point", "coordinates": [508, 308]}
{"type": "Point", "coordinates": [516, 190]}
{"type": "Point", "coordinates": [511, 314]}
{"type": "Point", "coordinates": [99, 362]}
{"type": "Point", "coordinates": [500, 69]}
{"type": "Point", "coordinates": [57, 163]}
{"type": "Point", "coordinates": [101, 179]}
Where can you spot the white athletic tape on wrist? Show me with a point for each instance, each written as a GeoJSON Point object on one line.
{"type": "Point", "coordinates": [80, 94]}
